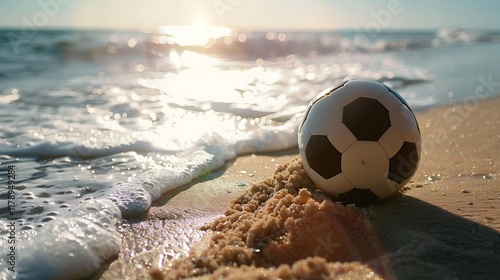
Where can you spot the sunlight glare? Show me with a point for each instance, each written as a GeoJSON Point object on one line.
{"type": "Point", "coordinates": [197, 34]}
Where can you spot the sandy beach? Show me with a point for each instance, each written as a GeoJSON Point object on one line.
{"type": "Point", "coordinates": [445, 224]}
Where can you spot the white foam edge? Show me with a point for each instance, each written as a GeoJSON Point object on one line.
{"type": "Point", "coordinates": [211, 152]}
{"type": "Point", "coordinates": [73, 246]}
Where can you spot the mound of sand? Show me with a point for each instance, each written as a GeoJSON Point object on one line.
{"type": "Point", "coordinates": [284, 228]}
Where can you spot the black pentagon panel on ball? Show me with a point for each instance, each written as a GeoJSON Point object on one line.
{"type": "Point", "coordinates": [404, 163]}
{"type": "Point", "coordinates": [360, 197]}
{"type": "Point", "coordinates": [323, 157]}
{"type": "Point", "coordinates": [366, 118]}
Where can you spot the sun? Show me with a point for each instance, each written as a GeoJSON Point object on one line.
{"type": "Point", "coordinates": [198, 33]}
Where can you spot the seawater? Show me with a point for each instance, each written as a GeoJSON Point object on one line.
{"type": "Point", "coordinates": [99, 124]}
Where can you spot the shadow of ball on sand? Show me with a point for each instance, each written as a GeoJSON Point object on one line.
{"type": "Point", "coordinates": [424, 240]}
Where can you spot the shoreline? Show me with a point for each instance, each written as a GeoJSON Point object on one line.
{"type": "Point", "coordinates": [445, 225]}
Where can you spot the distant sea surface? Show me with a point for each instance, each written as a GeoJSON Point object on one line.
{"type": "Point", "coordinates": [102, 123]}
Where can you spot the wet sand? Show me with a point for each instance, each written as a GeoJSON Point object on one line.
{"type": "Point", "coordinates": [445, 225]}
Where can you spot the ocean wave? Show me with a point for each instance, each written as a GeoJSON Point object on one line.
{"type": "Point", "coordinates": [241, 45]}
{"type": "Point", "coordinates": [462, 36]}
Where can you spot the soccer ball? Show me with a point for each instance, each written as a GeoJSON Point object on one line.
{"type": "Point", "coordinates": [359, 142]}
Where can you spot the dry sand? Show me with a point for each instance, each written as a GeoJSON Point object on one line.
{"type": "Point", "coordinates": [446, 225]}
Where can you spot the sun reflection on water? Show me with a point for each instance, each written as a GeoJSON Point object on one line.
{"type": "Point", "coordinates": [191, 59]}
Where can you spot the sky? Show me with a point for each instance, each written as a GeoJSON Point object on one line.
{"type": "Point", "coordinates": [251, 14]}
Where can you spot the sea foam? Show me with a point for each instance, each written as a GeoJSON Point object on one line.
{"type": "Point", "coordinates": [211, 152]}
{"type": "Point", "coordinates": [75, 243]}
{"type": "Point", "coordinates": [70, 247]}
